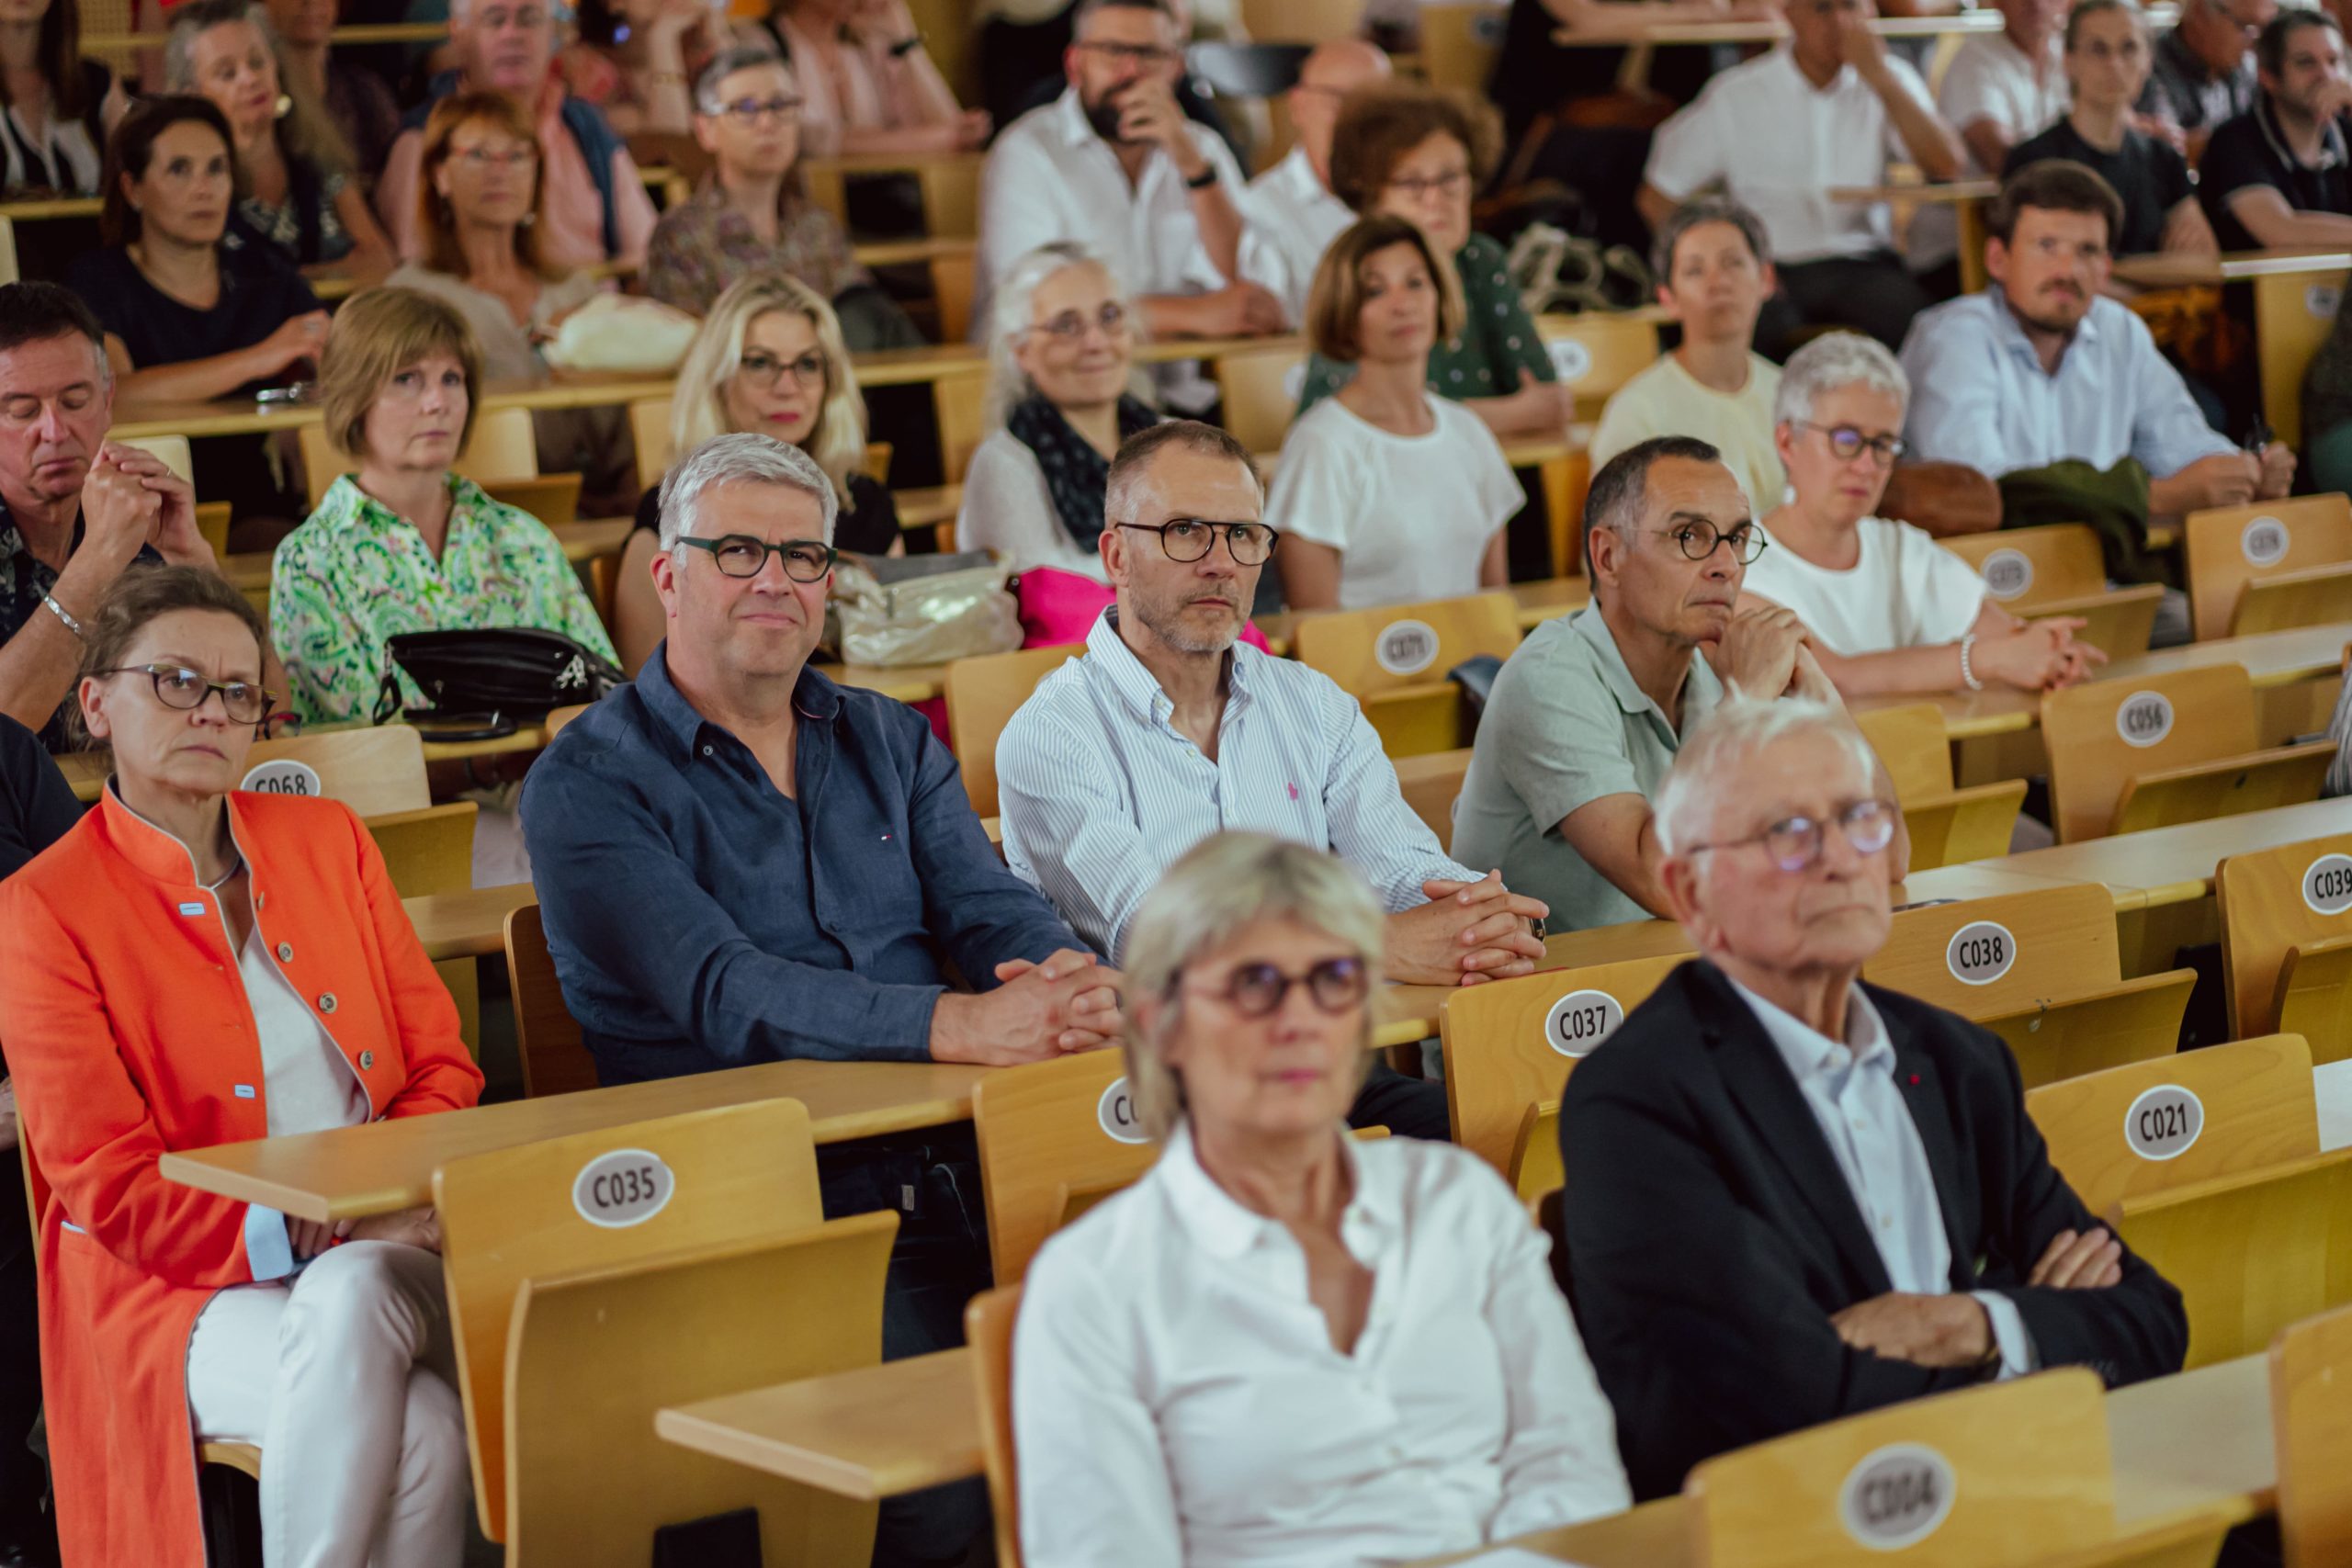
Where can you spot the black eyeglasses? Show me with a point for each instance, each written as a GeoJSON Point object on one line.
{"type": "Point", "coordinates": [1188, 539]}
{"type": "Point", "coordinates": [1070, 325]}
{"type": "Point", "coordinates": [1846, 442]}
{"type": "Point", "coordinates": [751, 110]}
{"type": "Point", "coordinates": [740, 555]}
{"type": "Point", "coordinates": [177, 686]}
{"type": "Point", "coordinates": [763, 370]}
{"type": "Point", "coordinates": [1258, 990]}
{"type": "Point", "coordinates": [1697, 541]}
{"type": "Point", "coordinates": [1794, 843]}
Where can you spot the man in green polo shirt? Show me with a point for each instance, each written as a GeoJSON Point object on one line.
{"type": "Point", "coordinates": [1585, 718]}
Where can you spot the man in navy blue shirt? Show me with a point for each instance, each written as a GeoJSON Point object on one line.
{"type": "Point", "coordinates": [739, 860]}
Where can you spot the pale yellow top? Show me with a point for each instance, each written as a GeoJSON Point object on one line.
{"type": "Point", "coordinates": [1665, 401]}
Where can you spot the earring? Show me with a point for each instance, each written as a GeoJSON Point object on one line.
{"type": "Point", "coordinates": [285, 106]}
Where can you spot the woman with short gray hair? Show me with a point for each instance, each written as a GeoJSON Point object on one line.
{"type": "Point", "coordinates": [1285, 1345]}
{"type": "Point", "coordinates": [1885, 608]}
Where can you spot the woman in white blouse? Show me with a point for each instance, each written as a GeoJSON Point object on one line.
{"type": "Point", "coordinates": [1061, 360]}
{"type": "Point", "coordinates": [1885, 608]}
{"type": "Point", "coordinates": [1386, 493]}
{"type": "Point", "coordinates": [1283, 1346]}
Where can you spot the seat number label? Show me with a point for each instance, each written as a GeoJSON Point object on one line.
{"type": "Point", "coordinates": [1981, 952]}
{"type": "Point", "coordinates": [622, 1187]}
{"type": "Point", "coordinates": [1580, 1021]}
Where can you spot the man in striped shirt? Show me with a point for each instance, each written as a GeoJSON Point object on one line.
{"type": "Point", "coordinates": [1168, 730]}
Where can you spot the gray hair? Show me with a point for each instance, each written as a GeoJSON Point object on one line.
{"type": "Point", "coordinates": [1696, 213]}
{"type": "Point", "coordinates": [1131, 465]}
{"type": "Point", "coordinates": [1621, 490]}
{"type": "Point", "coordinates": [1011, 306]}
{"type": "Point", "coordinates": [1222, 884]}
{"type": "Point", "coordinates": [192, 22]}
{"type": "Point", "coordinates": [1836, 360]}
{"type": "Point", "coordinates": [740, 458]}
{"type": "Point", "coordinates": [1709, 766]}
{"type": "Point", "coordinates": [1088, 8]}
{"type": "Point", "coordinates": [725, 65]}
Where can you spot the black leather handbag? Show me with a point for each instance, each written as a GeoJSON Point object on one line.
{"type": "Point", "coordinates": [481, 684]}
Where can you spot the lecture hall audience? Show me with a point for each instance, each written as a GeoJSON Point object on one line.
{"type": "Point", "coordinates": [1885, 607]}
{"type": "Point", "coordinates": [296, 187]}
{"type": "Point", "coordinates": [1168, 728]}
{"type": "Point", "coordinates": [60, 106]}
{"type": "Point", "coordinates": [1999, 89]}
{"type": "Point", "coordinates": [2201, 72]}
{"type": "Point", "coordinates": [356, 98]}
{"type": "Point", "coordinates": [75, 509]}
{"type": "Point", "coordinates": [1714, 271]}
{"type": "Point", "coordinates": [868, 83]}
{"type": "Point", "coordinates": [1293, 215]}
{"type": "Point", "coordinates": [634, 60]}
{"type": "Point", "coordinates": [171, 1316]}
{"type": "Point", "coordinates": [1799, 1196]}
{"type": "Point", "coordinates": [769, 360]}
{"type": "Point", "coordinates": [2280, 174]}
{"type": "Point", "coordinates": [1285, 1344]}
{"type": "Point", "coordinates": [1385, 492]}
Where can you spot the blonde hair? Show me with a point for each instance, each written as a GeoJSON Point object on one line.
{"type": "Point", "coordinates": [1222, 884]}
{"type": "Point", "coordinates": [378, 333]}
{"type": "Point", "coordinates": [698, 408]}
{"type": "Point", "coordinates": [436, 226]}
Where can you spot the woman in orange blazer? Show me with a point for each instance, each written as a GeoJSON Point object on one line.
{"type": "Point", "coordinates": [194, 964]}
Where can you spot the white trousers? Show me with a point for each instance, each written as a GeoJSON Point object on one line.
{"type": "Point", "coordinates": [341, 1376]}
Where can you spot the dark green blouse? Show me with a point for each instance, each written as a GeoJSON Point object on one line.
{"type": "Point", "coordinates": [1497, 338]}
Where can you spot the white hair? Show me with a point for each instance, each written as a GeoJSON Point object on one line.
{"type": "Point", "coordinates": [1708, 768]}
{"type": "Point", "coordinates": [725, 65]}
{"type": "Point", "coordinates": [1009, 310]}
{"type": "Point", "coordinates": [740, 458]}
{"type": "Point", "coordinates": [1836, 360]}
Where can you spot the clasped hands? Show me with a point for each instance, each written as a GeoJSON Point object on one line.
{"type": "Point", "coordinates": [1955, 1330]}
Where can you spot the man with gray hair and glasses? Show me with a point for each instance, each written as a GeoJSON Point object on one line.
{"type": "Point", "coordinates": [1589, 713]}
{"type": "Point", "coordinates": [739, 862]}
{"type": "Point", "coordinates": [1168, 730]}
{"type": "Point", "coordinates": [1792, 1196]}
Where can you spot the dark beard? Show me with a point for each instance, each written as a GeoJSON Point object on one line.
{"type": "Point", "coordinates": [1104, 118]}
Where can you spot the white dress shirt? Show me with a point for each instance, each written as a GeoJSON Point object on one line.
{"type": "Point", "coordinates": [1979, 395]}
{"type": "Point", "coordinates": [1782, 146]}
{"type": "Point", "coordinates": [1177, 1398]}
{"type": "Point", "coordinates": [1850, 1091]}
{"type": "Point", "coordinates": [1100, 792]}
{"type": "Point", "coordinates": [1293, 219]}
{"type": "Point", "coordinates": [1990, 79]}
{"type": "Point", "coordinates": [1051, 177]}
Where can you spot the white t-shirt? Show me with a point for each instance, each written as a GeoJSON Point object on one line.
{"type": "Point", "coordinates": [1990, 79]}
{"type": "Point", "coordinates": [1410, 515]}
{"type": "Point", "coordinates": [1293, 219]}
{"type": "Point", "coordinates": [1906, 591]}
{"type": "Point", "coordinates": [1667, 400]}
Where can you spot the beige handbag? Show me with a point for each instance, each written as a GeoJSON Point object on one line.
{"type": "Point", "coordinates": [891, 612]}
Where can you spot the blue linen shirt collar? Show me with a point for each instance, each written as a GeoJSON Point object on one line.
{"type": "Point", "coordinates": [2010, 333]}
{"type": "Point", "coordinates": [1137, 687]}
{"type": "Point", "coordinates": [1221, 1227]}
{"type": "Point", "coordinates": [681, 724]}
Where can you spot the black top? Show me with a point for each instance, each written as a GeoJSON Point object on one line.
{"type": "Point", "coordinates": [36, 806]}
{"type": "Point", "coordinates": [23, 581]}
{"type": "Point", "coordinates": [2149, 176]}
{"type": "Point", "coordinates": [867, 525]}
{"type": "Point", "coordinates": [1713, 1234]}
{"type": "Point", "coordinates": [2184, 90]}
{"type": "Point", "coordinates": [2248, 150]}
{"type": "Point", "coordinates": [260, 291]}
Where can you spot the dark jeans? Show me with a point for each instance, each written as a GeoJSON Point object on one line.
{"type": "Point", "coordinates": [1409, 1107]}
{"type": "Point", "coordinates": [1876, 295]}
{"type": "Point", "coordinates": [24, 1480]}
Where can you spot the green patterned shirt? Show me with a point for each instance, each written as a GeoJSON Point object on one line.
{"type": "Point", "coordinates": [1497, 340]}
{"type": "Point", "coordinates": [357, 574]}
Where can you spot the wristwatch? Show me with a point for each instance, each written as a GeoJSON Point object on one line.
{"type": "Point", "coordinates": [1203, 180]}
{"type": "Point", "coordinates": [906, 46]}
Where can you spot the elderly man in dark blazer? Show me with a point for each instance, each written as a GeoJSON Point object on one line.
{"type": "Point", "coordinates": [1792, 1196]}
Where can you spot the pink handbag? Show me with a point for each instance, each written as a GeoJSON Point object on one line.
{"type": "Point", "coordinates": [1060, 607]}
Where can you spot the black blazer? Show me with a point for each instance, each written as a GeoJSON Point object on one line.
{"type": "Point", "coordinates": [1710, 1234]}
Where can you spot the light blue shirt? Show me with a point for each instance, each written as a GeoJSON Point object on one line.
{"type": "Point", "coordinates": [1851, 1093]}
{"type": "Point", "coordinates": [1101, 792]}
{"type": "Point", "coordinates": [1979, 395]}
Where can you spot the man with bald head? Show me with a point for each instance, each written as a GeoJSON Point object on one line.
{"type": "Point", "coordinates": [1293, 215]}
{"type": "Point", "coordinates": [1792, 1196]}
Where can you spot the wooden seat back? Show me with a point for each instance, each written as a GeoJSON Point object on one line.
{"type": "Point", "coordinates": [1395, 659]}
{"type": "Point", "coordinates": [987, 1329]}
{"type": "Point", "coordinates": [595, 1352]}
{"type": "Point", "coordinates": [2004, 1473]}
{"type": "Point", "coordinates": [555, 1059]}
{"type": "Point", "coordinates": [2232, 786]}
{"type": "Point", "coordinates": [553, 499]}
{"type": "Point", "coordinates": [2189, 1540]}
{"type": "Point", "coordinates": [2019, 950]}
{"type": "Point", "coordinates": [2250, 1252]}
{"type": "Point", "coordinates": [983, 692]}
{"type": "Point", "coordinates": [372, 771]}
{"type": "Point", "coordinates": [2132, 1021]}
{"type": "Point", "coordinates": [737, 1173]}
{"type": "Point", "coordinates": [1510, 1044]}
{"type": "Point", "coordinates": [2272, 902]}
{"type": "Point", "coordinates": [2228, 547]}
{"type": "Point", "coordinates": [174, 452]}
{"type": "Point", "coordinates": [504, 445]}
{"type": "Point", "coordinates": [1432, 782]}
{"type": "Point", "coordinates": [1971, 824]}
{"type": "Point", "coordinates": [1459, 42]}
{"type": "Point", "coordinates": [958, 402]}
{"type": "Point", "coordinates": [2026, 567]}
{"type": "Point", "coordinates": [2158, 1126]}
{"type": "Point", "coordinates": [2176, 719]}
{"type": "Point", "coordinates": [430, 850]}
{"type": "Point", "coordinates": [1912, 745]}
{"type": "Point", "coordinates": [1259, 388]}
{"type": "Point", "coordinates": [648, 427]}
{"type": "Point", "coordinates": [1054, 1138]}
{"type": "Point", "coordinates": [2311, 1424]}
{"type": "Point", "coordinates": [1594, 353]}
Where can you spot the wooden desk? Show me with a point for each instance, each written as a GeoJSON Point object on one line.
{"type": "Point", "coordinates": [1632, 31]}
{"type": "Point", "coordinates": [351, 1172]}
{"type": "Point", "coordinates": [2195, 1440]}
{"type": "Point", "coordinates": [932, 362]}
{"type": "Point", "coordinates": [2171, 865]}
{"type": "Point", "coordinates": [2295, 294]}
{"type": "Point", "coordinates": [199, 417]}
{"type": "Point", "coordinates": [375, 32]}
{"type": "Point", "coordinates": [471, 924]}
{"type": "Point", "coordinates": [1967, 196]}
{"type": "Point", "coordinates": [877, 1432]}
{"type": "Point", "coordinates": [899, 253]}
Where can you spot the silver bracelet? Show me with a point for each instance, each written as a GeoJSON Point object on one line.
{"type": "Point", "coordinates": [1967, 672]}
{"type": "Point", "coordinates": [63, 613]}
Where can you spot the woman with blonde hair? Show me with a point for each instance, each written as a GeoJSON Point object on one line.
{"type": "Point", "coordinates": [1199, 1371]}
{"type": "Point", "coordinates": [769, 360]}
{"type": "Point", "coordinates": [295, 184]}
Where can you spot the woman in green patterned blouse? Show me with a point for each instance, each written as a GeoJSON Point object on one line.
{"type": "Point", "coordinates": [1416, 152]}
{"type": "Point", "coordinates": [405, 545]}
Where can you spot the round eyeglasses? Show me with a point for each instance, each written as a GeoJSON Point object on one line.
{"type": "Point", "coordinates": [740, 555]}
{"type": "Point", "coordinates": [1697, 541]}
{"type": "Point", "coordinates": [1188, 539]}
{"type": "Point", "coordinates": [1794, 842]}
{"type": "Point", "coordinates": [1846, 442]}
{"type": "Point", "coordinates": [177, 686]}
{"type": "Point", "coordinates": [1258, 990]}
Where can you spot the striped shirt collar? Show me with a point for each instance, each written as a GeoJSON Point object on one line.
{"type": "Point", "coordinates": [1137, 687]}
